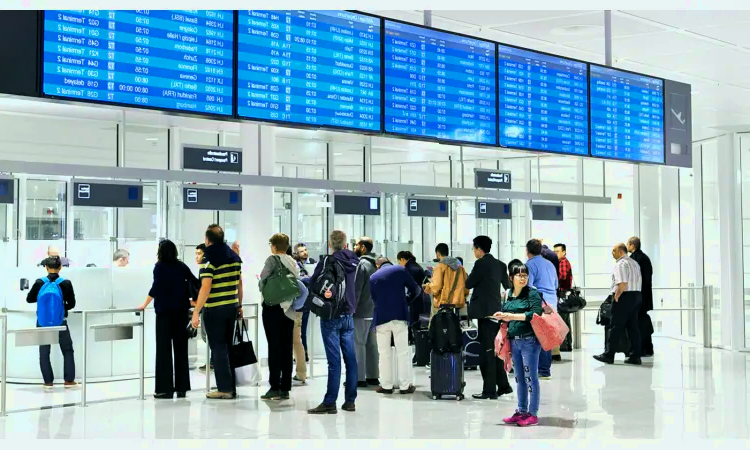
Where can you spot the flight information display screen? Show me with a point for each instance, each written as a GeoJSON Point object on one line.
{"type": "Point", "coordinates": [318, 68]}
{"type": "Point", "coordinates": [439, 85]}
{"type": "Point", "coordinates": [542, 102]}
{"type": "Point", "coordinates": [627, 115]}
{"type": "Point", "coordinates": [170, 59]}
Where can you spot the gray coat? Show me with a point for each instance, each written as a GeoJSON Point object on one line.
{"type": "Point", "coordinates": [365, 305]}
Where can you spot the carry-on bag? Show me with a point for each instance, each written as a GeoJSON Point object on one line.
{"type": "Point", "coordinates": [447, 375]}
{"type": "Point", "coordinates": [241, 353]}
{"type": "Point", "coordinates": [472, 348]}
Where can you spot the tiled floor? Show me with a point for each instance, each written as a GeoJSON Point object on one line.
{"type": "Point", "coordinates": [685, 392]}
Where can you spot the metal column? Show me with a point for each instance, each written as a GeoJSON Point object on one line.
{"type": "Point", "coordinates": [608, 38]}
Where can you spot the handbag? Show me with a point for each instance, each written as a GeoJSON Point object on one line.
{"type": "Point", "coordinates": [241, 353]}
{"type": "Point", "coordinates": [604, 316]}
{"type": "Point", "coordinates": [281, 286]}
{"type": "Point", "coordinates": [571, 302]}
{"type": "Point", "coordinates": [550, 329]}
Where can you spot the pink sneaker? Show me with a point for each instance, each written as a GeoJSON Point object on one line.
{"type": "Point", "coordinates": [528, 421]}
{"type": "Point", "coordinates": [515, 418]}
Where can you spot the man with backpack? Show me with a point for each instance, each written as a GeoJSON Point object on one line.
{"type": "Point", "coordinates": [54, 297]}
{"type": "Point", "coordinates": [333, 300]}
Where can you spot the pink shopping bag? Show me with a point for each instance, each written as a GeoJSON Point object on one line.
{"type": "Point", "coordinates": [550, 328]}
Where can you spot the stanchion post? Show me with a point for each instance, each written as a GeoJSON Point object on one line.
{"type": "Point", "coordinates": [142, 359]}
{"type": "Point", "coordinates": [708, 297]}
{"type": "Point", "coordinates": [311, 343]}
{"type": "Point", "coordinates": [85, 345]}
{"type": "Point", "coordinates": [208, 364]}
{"type": "Point", "coordinates": [4, 363]}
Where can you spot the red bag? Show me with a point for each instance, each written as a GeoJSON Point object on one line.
{"type": "Point", "coordinates": [550, 328]}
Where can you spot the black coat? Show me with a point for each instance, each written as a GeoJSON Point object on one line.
{"type": "Point", "coordinates": [488, 279]}
{"type": "Point", "coordinates": [647, 273]}
{"type": "Point", "coordinates": [417, 305]}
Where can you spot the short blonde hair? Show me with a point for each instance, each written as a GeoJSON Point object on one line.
{"type": "Point", "coordinates": [337, 240]}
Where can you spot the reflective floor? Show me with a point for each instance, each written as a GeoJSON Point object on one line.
{"type": "Point", "coordinates": [684, 392]}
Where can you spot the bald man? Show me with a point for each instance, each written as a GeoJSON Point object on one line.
{"type": "Point", "coordinates": [54, 251]}
{"type": "Point", "coordinates": [626, 297]}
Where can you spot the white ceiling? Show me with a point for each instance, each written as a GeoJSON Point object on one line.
{"type": "Point", "coordinates": [708, 49]}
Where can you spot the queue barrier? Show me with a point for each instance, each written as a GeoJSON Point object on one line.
{"type": "Point", "coordinates": [101, 333]}
{"type": "Point", "coordinates": [115, 332]}
{"type": "Point", "coordinates": [706, 291]}
{"type": "Point", "coordinates": [25, 337]}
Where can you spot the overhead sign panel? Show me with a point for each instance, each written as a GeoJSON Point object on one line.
{"type": "Point", "coordinates": [547, 212]}
{"type": "Point", "coordinates": [492, 179]}
{"type": "Point", "coordinates": [221, 159]}
{"type": "Point", "coordinates": [212, 199]}
{"type": "Point", "coordinates": [7, 190]}
{"type": "Point", "coordinates": [357, 205]}
{"type": "Point", "coordinates": [421, 207]}
{"type": "Point", "coordinates": [107, 195]}
{"type": "Point", "coordinates": [494, 210]}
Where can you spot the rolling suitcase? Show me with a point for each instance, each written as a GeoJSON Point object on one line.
{"type": "Point", "coordinates": [471, 348]}
{"type": "Point", "coordinates": [447, 375]}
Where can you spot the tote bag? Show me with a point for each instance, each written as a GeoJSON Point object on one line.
{"type": "Point", "coordinates": [281, 285]}
{"type": "Point", "coordinates": [549, 328]}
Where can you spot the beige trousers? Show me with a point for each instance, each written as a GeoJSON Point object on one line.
{"type": "Point", "coordinates": [299, 351]}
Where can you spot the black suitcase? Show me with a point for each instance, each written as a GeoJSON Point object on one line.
{"type": "Point", "coordinates": [447, 375]}
{"type": "Point", "coordinates": [422, 347]}
{"type": "Point", "coordinates": [471, 349]}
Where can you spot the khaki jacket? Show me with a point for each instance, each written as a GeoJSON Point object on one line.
{"type": "Point", "coordinates": [442, 281]}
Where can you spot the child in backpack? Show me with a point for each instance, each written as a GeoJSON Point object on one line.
{"type": "Point", "coordinates": [54, 297]}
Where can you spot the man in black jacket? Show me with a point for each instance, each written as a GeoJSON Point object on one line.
{"type": "Point", "coordinates": [53, 265]}
{"type": "Point", "coordinates": [647, 295]}
{"type": "Point", "coordinates": [365, 339]}
{"type": "Point", "coordinates": [488, 279]}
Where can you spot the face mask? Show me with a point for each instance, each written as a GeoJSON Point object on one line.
{"type": "Point", "coordinates": [436, 260]}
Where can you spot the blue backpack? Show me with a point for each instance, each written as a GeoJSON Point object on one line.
{"type": "Point", "coordinates": [50, 309]}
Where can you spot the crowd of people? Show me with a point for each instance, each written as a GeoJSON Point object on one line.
{"type": "Point", "coordinates": [380, 306]}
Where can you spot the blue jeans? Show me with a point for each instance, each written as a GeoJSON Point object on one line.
{"type": "Point", "coordinates": [525, 353]}
{"type": "Point", "coordinates": [338, 338]}
{"type": "Point", "coordinates": [545, 363]}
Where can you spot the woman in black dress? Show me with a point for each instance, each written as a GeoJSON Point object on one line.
{"type": "Point", "coordinates": [171, 296]}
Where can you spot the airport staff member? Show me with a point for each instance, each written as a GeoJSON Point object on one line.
{"type": "Point", "coordinates": [626, 294]}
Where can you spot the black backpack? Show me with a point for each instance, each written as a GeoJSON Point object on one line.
{"type": "Point", "coordinates": [332, 277]}
{"type": "Point", "coordinates": [445, 331]}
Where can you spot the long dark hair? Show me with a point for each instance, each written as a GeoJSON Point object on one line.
{"type": "Point", "coordinates": [407, 255]}
{"type": "Point", "coordinates": [167, 252]}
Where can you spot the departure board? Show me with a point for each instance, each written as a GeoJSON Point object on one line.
{"type": "Point", "coordinates": [439, 85]}
{"type": "Point", "coordinates": [318, 68]}
{"type": "Point", "coordinates": [543, 102]}
{"type": "Point", "coordinates": [168, 59]}
{"type": "Point", "coordinates": [627, 115]}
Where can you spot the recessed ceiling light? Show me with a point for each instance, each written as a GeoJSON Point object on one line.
{"type": "Point", "coordinates": [337, 154]}
{"type": "Point", "coordinates": [152, 139]}
{"type": "Point", "coordinates": [578, 30]}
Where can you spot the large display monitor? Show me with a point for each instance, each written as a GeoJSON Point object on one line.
{"type": "Point", "coordinates": [176, 60]}
{"type": "Point", "coordinates": [542, 102]}
{"type": "Point", "coordinates": [627, 115]}
{"type": "Point", "coordinates": [439, 85]}
{"type": "Point", "coordinates": [317, 68]}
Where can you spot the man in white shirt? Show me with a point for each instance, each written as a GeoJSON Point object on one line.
{"type": "Point", "coordinates": [626, 296]}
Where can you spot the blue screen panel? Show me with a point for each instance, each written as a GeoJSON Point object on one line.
{"type": "Point", "coordinates": [543, 102]}
{"type": "Point", "coordinates": [318, 68]}
{"type": "Point", "coordinates": [439, 85]}
{"type": "Point", "coordinates": [627, 115]}
{"type": "Point", "coordinates": [177, 60]}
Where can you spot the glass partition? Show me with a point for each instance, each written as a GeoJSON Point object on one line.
{"type": "Point", "coordinates": [44, 219]}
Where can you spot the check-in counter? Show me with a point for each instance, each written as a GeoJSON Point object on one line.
{"type": "Point", "coordinates": [96, 289]}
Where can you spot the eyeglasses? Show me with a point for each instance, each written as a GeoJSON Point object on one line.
{"type": "Point", "coordinates": [523, 276]}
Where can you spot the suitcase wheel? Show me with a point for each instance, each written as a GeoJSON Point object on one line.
{"type": "Point", "coordinates": [460, 397]}
{"type": "Point", "coordinates": [436, 396]}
